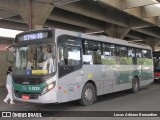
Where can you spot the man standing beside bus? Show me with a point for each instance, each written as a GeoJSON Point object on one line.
{"type": "Point", "coordinates": [9, 86]}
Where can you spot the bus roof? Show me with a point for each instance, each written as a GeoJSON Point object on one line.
{"type": "Point", "coordinates": [89, 37]}
{"type": "Point", "coordinates": [100, 38]}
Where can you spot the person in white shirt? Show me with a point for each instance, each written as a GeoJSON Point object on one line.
{"type": "Point", "coordinates": [48, 54]}
{"type": "Point", "coordinates": [48, 60]}
{"type": "Point", "coordinates": [9, 87]}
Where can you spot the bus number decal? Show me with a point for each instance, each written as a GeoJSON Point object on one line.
{"type": "Point", "coordinates": [34, 88]}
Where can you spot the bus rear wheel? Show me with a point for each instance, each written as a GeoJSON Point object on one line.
{"type": "Point", "coordinates": [88, 95]}
{"type": "Point", "coordinates": [135, 85]}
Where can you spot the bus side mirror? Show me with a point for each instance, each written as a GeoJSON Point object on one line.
{"type": "Point", "coordinates": [9, 55]}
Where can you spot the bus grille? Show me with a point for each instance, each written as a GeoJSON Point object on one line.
{"type": "Point", "coordinates": [28, 81]}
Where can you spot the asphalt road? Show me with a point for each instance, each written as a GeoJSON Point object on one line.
{"type": "Point", "coordinates": [147, 99]}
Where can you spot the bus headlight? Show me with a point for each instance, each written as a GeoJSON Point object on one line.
{"type": "Point", "coordinates": [48, 88]}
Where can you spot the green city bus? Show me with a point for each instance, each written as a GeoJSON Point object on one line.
{"type": "Point", "coordinates": [56, 66]}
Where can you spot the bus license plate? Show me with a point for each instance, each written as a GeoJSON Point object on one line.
{"type": "Point", "coordinates": [26, 97]}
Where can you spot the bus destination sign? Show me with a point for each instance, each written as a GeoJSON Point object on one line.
{"type": "Point", "coordinates": [33, 36]}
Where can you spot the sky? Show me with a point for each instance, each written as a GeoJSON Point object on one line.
{"type": "Point", "coordinates": [8, 33]}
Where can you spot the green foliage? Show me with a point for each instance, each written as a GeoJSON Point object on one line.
{"type": "Point", "coordinates": [147, 61]}
{"type": "Point", "coordinates": [108, 61]}
{"type": "Point", "coordinates": [123, 60]}
{"type": "Point", "coordinates": [129, 61]}
{"type": "Point", "coordinates": [144, 61]}
{"type": "Point", "coordinates": [140, 61]}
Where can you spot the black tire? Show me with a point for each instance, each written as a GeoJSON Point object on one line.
{"type": "Point", "coordinates": [135, 85]}
{"type": "Point", "coordinates": [156, 81]}
{"type": "Point", "coordinates": [88, 95]}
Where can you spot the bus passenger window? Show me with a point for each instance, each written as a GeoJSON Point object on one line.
{"type": "Point", "coordinates": [131, 56]}
{"type": "Point", "coordinates": [61, 59]}
{"type": "Point", "coordinates": [149, 54]}
{"type": "Point", "coordinates": [65, 55]}
{"type": "Point", "coordinates": [92, 52]}
{"type": "Point", "coordinates": [138, 53]}
{"type": "Point", "coordinates": [121, 53]}
{"type": "Point", "coordinates": [70, 55]}
{"type": "Point", "coordinates": [108, 56]}
{"type": "Point", "coordinates": [139, 56]}
{"type": "Point", "coordinates": [146, 57]}
{"type": "Point", "coordinates": [145, 54]}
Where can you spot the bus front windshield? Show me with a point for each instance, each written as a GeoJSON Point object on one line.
{"type": "Point", "coordinates": [35, 60]}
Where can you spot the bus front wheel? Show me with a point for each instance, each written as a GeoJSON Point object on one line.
{"type": "Point", "coordinates": [135, 85]}
{"type": "Point", "coordinates": [88, 95]}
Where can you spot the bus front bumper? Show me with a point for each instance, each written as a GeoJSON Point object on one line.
{"type": "Point", "coordinates": [49, 97]}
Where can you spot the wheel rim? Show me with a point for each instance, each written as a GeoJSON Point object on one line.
{"type": "Point", "coordinates": [88, 94]}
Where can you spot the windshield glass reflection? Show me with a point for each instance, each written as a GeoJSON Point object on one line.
{"type": "Point", "coordinates": [35, 60]}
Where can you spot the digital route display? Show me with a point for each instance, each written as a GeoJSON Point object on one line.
{"type": "Point", "coordinates": [33, 36]}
